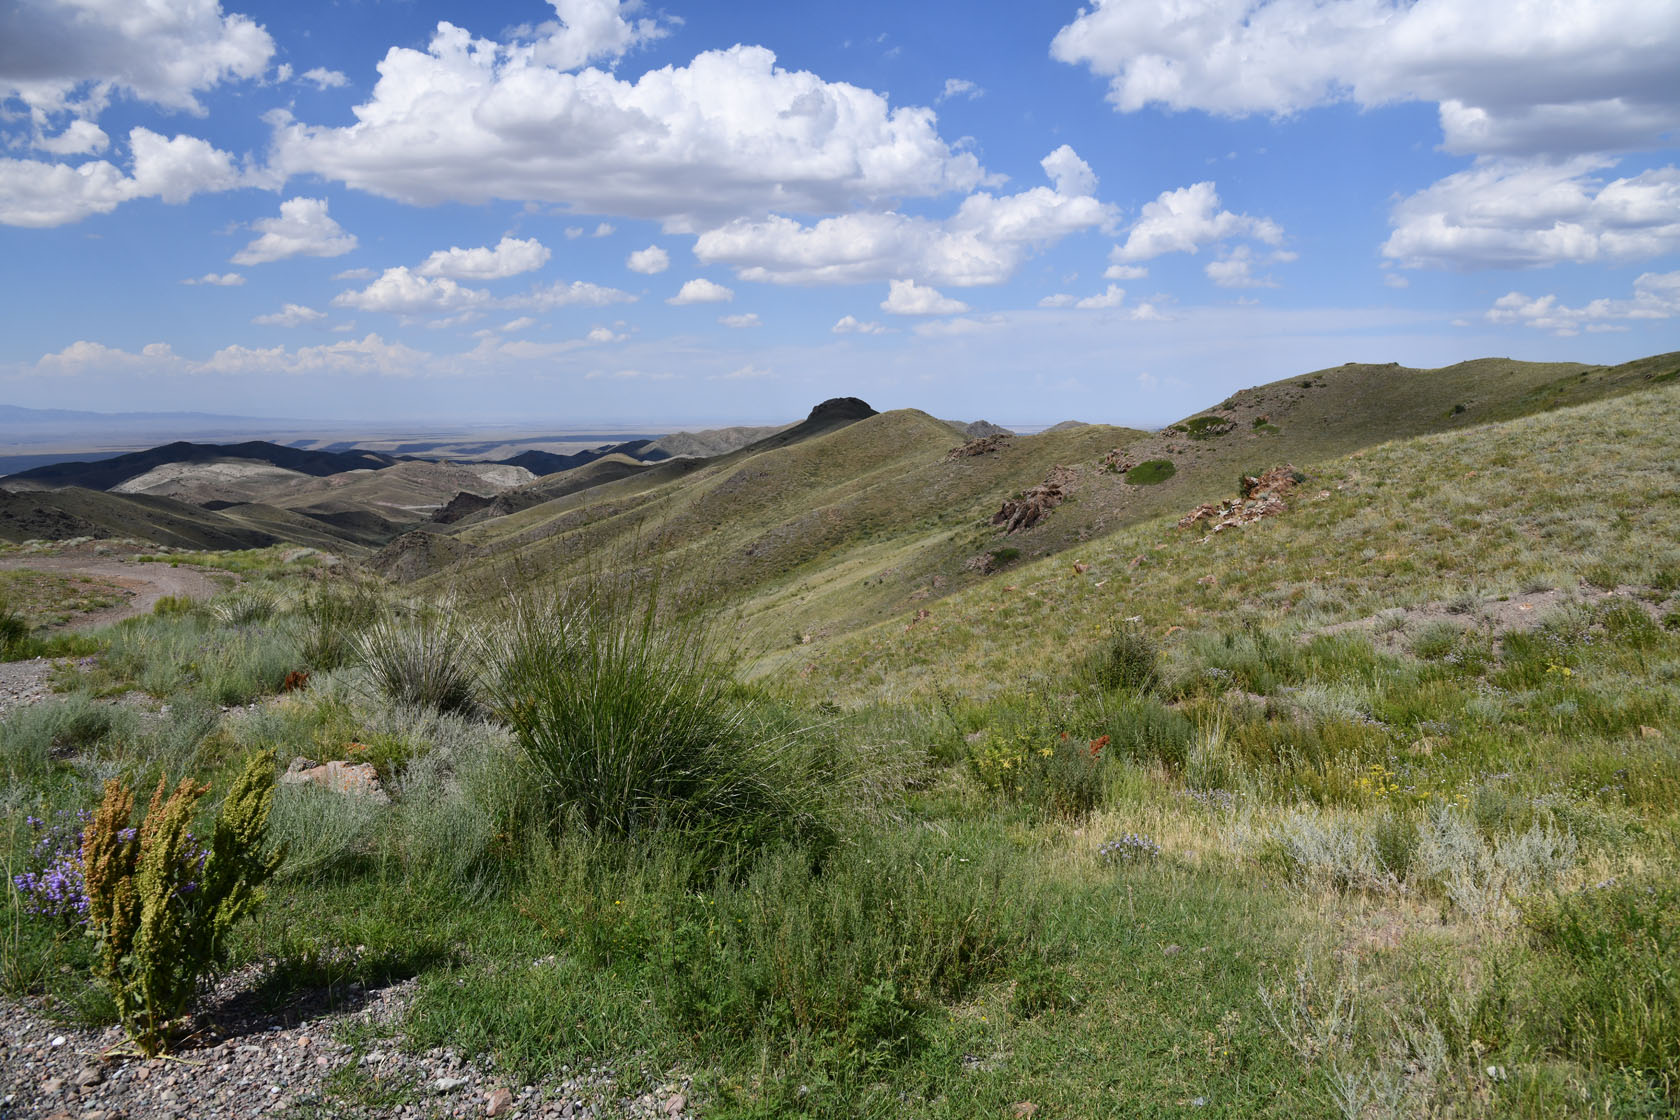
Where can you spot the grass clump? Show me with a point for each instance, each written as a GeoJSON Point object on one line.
{"type": "Point", "coordinates": [628, 725]}
{"type": "Point", "coordinates": [1129, 659]}
{"type": "Point", "coordinates": [1151, 471]}
{"type": "Point", "coordinates": [425, 659]}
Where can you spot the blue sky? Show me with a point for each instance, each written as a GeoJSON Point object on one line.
{"type": "Point", "coordinates": [591, 211]}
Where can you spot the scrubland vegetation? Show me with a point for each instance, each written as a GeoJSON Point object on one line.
{"type": "Point", "coordinates": [1366, 809]}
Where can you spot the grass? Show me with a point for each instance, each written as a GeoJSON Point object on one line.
{"type": "Point", "coordinates": [1310, 819]}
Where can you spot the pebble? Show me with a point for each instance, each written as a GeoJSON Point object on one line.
{"type": "Point", "coordinates": [248, 1065]}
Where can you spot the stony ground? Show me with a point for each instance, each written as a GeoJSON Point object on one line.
{"type": "Point", "coordinates": [247, 1063]}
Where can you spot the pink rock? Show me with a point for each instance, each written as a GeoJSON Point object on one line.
{"type": "Point", "coordinates": [358, 779]}
{"type": "Point", "coordinates": [499, 1103]}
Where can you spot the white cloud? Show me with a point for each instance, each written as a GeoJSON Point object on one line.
{"type": "Point", "coordinates": [1184, 220]}
{"type": "Point", "coordinates": [218, 279]}
{"type": "Point", "coordinates": [303, 229]}
{"type": "Point", "coordinates": [1395, 280]}
{"type": "Point", "coordinates": [1113, 297]}
{"type": "Point", "coordinates": [729, 134]}
{"type": "Point", "coordinates": [605, 334]}
{"type": "Point", "coordinates": [322, 78]}
{"type": "Point", "coordinates": [579, 293]}
{"type": "Point", "coordinates": [649, 261]}
{"type": "Point", "coordinates": [292, 315]}
{"type": "Point", "coordinates": [510, 257]}
{"type": "Point", "coordinates": [701, 290]}
{"type": "Point", "coordinates": [1125, 271]}
{"type": "Point", "coordinates": [519, 324]}
{"type": "Point", "coordinates": [984, 242]}
{"type": "Point", "coordinates": [368, 355]}
{"type": "Point", "coordinates": [1655, 296]}
{"type": "Point", "coordinates": [957, 328]}
{"type": "Point", "coordinates": [83, 356]}
{"type": "Point", "coordinates": [1510, 76]}
{"type": "Point", "coordinates": [70, 57]}
{"type": "Point", "coordinates": [79, 138]}
{"type": "Point", "coordinates": [605, 229]}
{"type": "Point", "coordinates": [1235, 269]}
{"type": "Point", "coordinates": [850, 324]}
{"type": "Point", "coordinates": [960, 87]}
{"type": "Point", "coordinates": [355, 274]}
{"type": "Point", "coordinates": [1503, 213]}
{"type": "Point", "coordinates": [906, 297]}
{"type": "Point", "coordinates": [401, 291]}
{"type": "Point", "coordinates": [40, 195]}
{"type": "Point", "coordinates": [750, 319]}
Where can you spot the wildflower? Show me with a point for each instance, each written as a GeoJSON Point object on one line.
{"type": "Point", "coordinates": [1097, 745]}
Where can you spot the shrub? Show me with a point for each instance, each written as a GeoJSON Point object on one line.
{"type": "Point", "coordinates": [31, 738]}
{"type": "Point", "coordinates": [628, 725]}
{"type": "Point", "coordinates": [1151, 471]}
{"type": "Point", "coordinates": [172, 606]}
{"type": "Point", "coordinates": [1129, 659]}
{"type": "Point", "coordinates": [425, 660]}
{"type": "Point", "coordinates": [160, 906]}
{"type": "Point", "coordinates": [245, 607]}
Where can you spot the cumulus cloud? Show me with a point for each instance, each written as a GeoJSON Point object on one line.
{"type": "Point", "coordinates": [984, 242]}
{"type": "Point", "coordinates": [292, 315]}
{"type": "Point", "coordinates": [1503, 213]}
{"type": "Point", "coordinates": [1235, 268]}
{"type": "Point", "coordinates": [739, 322]}
{"type": "Point", "coordinates": [1185, 220]}
{"type": "Point", "coordinates": [1111, 298]}
{"type": "Point", "coordinates": [1655, 296]}
{"type": "Point", "coordinates": [701, 290]}
{"type": "Point", "coordinates": [605, 334]}
{"type": "Point", "coordinates": [1565, 77]}
{"type": "Point", "coordinates": [1125, 271]}
{"type": "Point", "coordinates": [731, 133]}
{"type": "Point", "coordinates": [579, 293]}
{"type": "Point", "coordinates": [510, 257]}
{"type": "Point", "coordinates": [368, 355]}
{"type": "Point", "coordinates": [404, 292]}
{"type": "Point", "coordinates": [322, 78]}
{"type": "Point", "coordinates": [960, 87]}
{"type": "Point", "coordinates": [850, 324]}
{"type": "Point", "coordinates": [79, 138]}
{"type": "Point", "coordinates": [649, 261]}
{"type": "Point", "coordinates": [83, 356]}
{"type": "Point", "coordinates": [39, 195]}
{"type": "Point", "coordinates": [303, 229]}
{"type": "Point", "coordinates": [71, 57]}
{"type": "Point", "coordinates": [743, 373]}
{"type": "Point", "coordinates": [906, 297]}
{"type": "Point", "coordinates": [218, 279]}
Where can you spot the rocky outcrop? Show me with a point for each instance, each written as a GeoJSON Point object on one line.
{"type": "Point", "coordinates": [354, 779]}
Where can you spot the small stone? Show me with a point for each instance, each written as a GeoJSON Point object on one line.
{"type": "Point", "coordinates": [52, 1086]}
{"type": "Point", "coordinates": [675, 1105]}
{"type": "Point", "coordinates": [303, 1040]}
{"type": "Point", "coordinates": [1024, 1110]}
{"type": "Point", "coordinates": [498, 1103]}
{"type": "Point", "coordinates": [58, 1040]}
{"type": "Point", "coordinates": [448, 1084]}
{"type": "Point", "coordinates": [89, 1076]}
{"type": "Point", "coordinates": [1172, 950]}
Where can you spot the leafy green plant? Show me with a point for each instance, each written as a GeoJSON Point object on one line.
{"type": "Point", "coordinates": [330, 617]}
{"type": "Point", "coordinates": [1151, 471]}
{"type": "Point", "coordinates": [14, 631]}
{"type": "Point", "coordinates": [161, 907]}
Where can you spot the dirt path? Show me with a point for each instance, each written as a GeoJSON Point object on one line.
{"type": "Point", "coordinates": [146, 583]}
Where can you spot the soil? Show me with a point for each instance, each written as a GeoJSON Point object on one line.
{"type": "Point", "coordinates": [144, 583]}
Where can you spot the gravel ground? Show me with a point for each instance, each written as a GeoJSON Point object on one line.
{"type": "Point", "coordinates": [146, 583]}
{"type": "Point", "coordinates": [249, 1064]}
{"type": "Point", "coordinates": [23, 683]}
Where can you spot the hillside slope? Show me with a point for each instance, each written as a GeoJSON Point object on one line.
{"type": "Point", "coordinates": [1569, 504]}
{"type": "Point", "coordinates": [105, 474]}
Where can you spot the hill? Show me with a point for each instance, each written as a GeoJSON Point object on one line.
{"type": "Point", "coordinates": [105, 474]}
{"type": "Point", "coordinates": [77, 512]}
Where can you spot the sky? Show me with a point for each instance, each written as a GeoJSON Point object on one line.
{"type": "Point", "coordinates": [600, 211]}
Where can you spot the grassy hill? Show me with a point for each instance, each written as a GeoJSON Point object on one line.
{"type": "Point", "coordinates": [76, 512]}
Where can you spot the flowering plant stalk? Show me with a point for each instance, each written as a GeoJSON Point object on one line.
{"type": "Point", "coordinates": [159, 909]}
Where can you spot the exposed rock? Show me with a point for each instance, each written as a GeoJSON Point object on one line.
{"type": "Point", "coordinates": [417, 554]}
{"type": "Point", "coordinates": [461, 505]}
{"type": "Point", "coordinates": [358, 779]}
{"type": "Point", "coordinates": [985, 445]}
{"type": "Point", "coordinates": [1261, 497]}
{"type": "Point", "coordinates": [1032, 507]}
{"type": "Point", "coordinates": [499, 1103]}
{"type": "Point", "coordinates": [980, 429]}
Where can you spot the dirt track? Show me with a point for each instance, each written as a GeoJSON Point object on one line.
{"type": "Point", "coordinates": [146, 583]}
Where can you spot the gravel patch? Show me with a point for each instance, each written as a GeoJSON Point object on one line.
{"type": "Point", "coordinates": [245, 1062]}
{"type": "Point", "coordinates": [23, 683]}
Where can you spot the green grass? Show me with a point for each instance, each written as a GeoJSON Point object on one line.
{"type": "Point", "coordinates": [1307, 819]}
{"type": "Point", "coordinates": [1150, 472]}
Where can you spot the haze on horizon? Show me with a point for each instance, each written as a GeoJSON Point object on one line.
{"type": "Point", "coordinates": [694, 214]}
